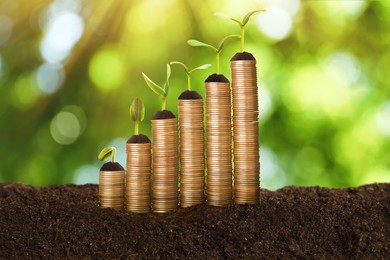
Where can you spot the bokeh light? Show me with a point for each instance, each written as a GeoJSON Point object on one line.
{"type": "Point", "coordinates": [49, 77]}
{"type": "Point", "coordinates": [107, 70]}
{"type": "Point", "coordinates": [68, 125]}
{"type": "Point", "coordinates": [276, 23]}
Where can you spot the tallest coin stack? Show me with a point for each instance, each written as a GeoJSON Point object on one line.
{"type": "Point", "coordinates": [245, 129]}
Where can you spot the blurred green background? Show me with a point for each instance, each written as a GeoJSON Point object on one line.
{"type": "Point", "coordinates": [69, 70]}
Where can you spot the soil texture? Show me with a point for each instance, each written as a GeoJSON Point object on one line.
{"type": "Point", "coordinates": [217, 78]}
{"type": "Point", "coordinates": [111, 166]}
{"type": "Point", "coordinates": [138, 139]}
{"type": "Point", "coordinates": [317, 223]}
{"type": "Point", "coordinates": [164, 114]}
{"type": "Point", "coordinates": [188, 95]}
{"type": "Point", "coordinates": [243, 56]}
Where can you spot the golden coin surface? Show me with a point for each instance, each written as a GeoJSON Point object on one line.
{"type": "Point", "coordinates": [165, 165]}
{"type": "Point", "coordinates": [245, 131]}
{"type": "Point", "coordinates": [218, 143]}
{"type": "Point", "coordinates": [111, 189]}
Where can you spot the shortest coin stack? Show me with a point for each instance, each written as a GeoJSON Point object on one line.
{"type": "Point", "coordinates": [111, 189]}
{"type": "Point", "coordinates": [138, 177]}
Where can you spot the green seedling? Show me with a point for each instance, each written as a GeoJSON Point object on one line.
{"type": "Point", "coordinates": [241, 23]}
{"type": "Point", "coordinates": [106, 153]}
{"type": "Point", "coordinates": [162, 92]}
{"type": "Point", "coordinates": [137, 113]}
{"type": "Point", "coordinates": [188, 71]}
{"type": "Point", "coordinates": [217, 49]}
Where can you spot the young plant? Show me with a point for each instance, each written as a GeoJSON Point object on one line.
{"type": "Point", "coordinates": [217, 49]}
{"type": "Point", "coordinates": [106, 153]}
{"type": "Point", "coordinates": [137, 113]}
{"type": "Point", "coordinates": [162, 92]}
{"type": "Point", "coordinates": [188, 71]}
{"type": "Point", "coordinates": [241, 23]}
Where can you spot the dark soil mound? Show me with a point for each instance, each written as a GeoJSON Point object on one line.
{"type": "Point", "coordinates": [217, 78]}
{"type": "Point", "coordinates": [318, 223]}
{"type": "Point", "coordinates": [190, 95]}
{"type": "Point", "coordinates": [243, 56]}
{"type": "Point", "coordinates": [138, 139]}
{"type": "Point", "coordinates": [112, 166]}
{"type": "Point", "coordinates": [164, 114]}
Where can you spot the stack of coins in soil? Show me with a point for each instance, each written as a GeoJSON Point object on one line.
{"type": "Point", "coordinates": [138, 166]}
{"type": "Point", "coordinates": [245, 128]}
{"type": "Point", "coordinates": [111, 186]}
{"type": "Point", "coordinates": [219, 140]}
{"type": "Point", "coordinates": [191, 149]}
{"type": "Point", "coordinates": [165, 162]}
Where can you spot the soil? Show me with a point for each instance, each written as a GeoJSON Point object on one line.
{"type": "Point", "coordinates": [112, 166]}
{"type": "Point", "coordinates": [188, 95]}
{"type": "Point", "coordinates": [164, 114]}
{"type": "Point", "coordinates": [243, 56]}
{"type": "Point", "coordinates": [318, 223]}
{"type": "Point", "coordinates": [217, 78]}
{"type": "Point", "coordinates": [138, 139]}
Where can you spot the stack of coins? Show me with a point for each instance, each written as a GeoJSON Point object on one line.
{"type": "Point", "coordinates": [138, 177]}
{"type": "Point", "coordinates": [165, 165]}
{"type": "Point", "coordinates": [246, 135]}
{"type": "Point", "coordinates": [111, 189]}
{"type": "Point", "coordinates": [219, 143]}
{"type": "Point", "coordinates": [191, 152]}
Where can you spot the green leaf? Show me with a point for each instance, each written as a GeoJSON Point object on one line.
{"type": "Point", "coordinates": [203, 67]}
{"type": "Point", "coordinates": [181, 64]}
{"type": "Point", "coordinates": [168, 72]}
{"type": "Point", "coordinates": [166, 85]}
{"type": "Point", "coordinates": [224, 16]}
{"type": "Point", "coordinates": [106, 153]}
{"type": "Point", "coordinates": [137, 110]}
{"type": "Point", "coordinates": [153, 86]}
{"type": "Point", "coordinates": [196, 43]}
{"type": "Point", "coordinates": [248, 15]}
{"type": "Point", "coordinates": [222, 42]}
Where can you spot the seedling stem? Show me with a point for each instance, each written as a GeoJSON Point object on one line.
{"type": "Point", "coordinates": [189, 72]}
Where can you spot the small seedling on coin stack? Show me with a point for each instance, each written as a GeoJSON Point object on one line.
{"type": "Point", "coordinates": [165, 151]}
{"type": "Point", "coordinates": [245, 120]}
{"type": "Point", "coordinates": [111, 180]}
{"type": "Point", "coordinates": [191, 143]}
{"type": "Point", "coordinates": [242, 23]}
{"type": "Point", "coordinates": [217, 50]}
{"type": "Point", "coordinates": [138, 164]}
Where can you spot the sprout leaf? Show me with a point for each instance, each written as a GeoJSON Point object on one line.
{"type": "Point", "coordinates": [248, 15]}
{"type": "Point", "coordinates": [137, 110]}
{"type": "Point", "coordinates": [203, 67]}
{"type": "Point", "coordinates": [197, 43]}
{"type": "Point", "coordinates": [106, 153]}
{"type": "Point", "coordinates": [154, 87]}
{"type": "Point", "coordinates": [222, 42]}
{"type": "Point", "coordinates": [168, 73]}
{"type": "Point", "coordinates": [224, 16]}
{"type": "Point", "coordinates": [181, 64]}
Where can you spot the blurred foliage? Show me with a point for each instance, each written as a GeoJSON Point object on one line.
{"type": "Point", "coordinates": [69, 70]}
